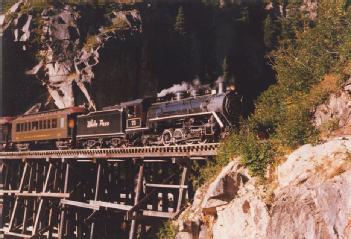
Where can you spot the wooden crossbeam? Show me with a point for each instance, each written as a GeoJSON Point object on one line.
{"type": "Point", "coordinates": [20, 235]}
{"type": "Point", "coordinates": [117, 206]}
{"type": "Point", "coordinates": [79, 204]}
{"type": "Point", "coordinates": [9, 192]}
{"type": "Point", "coordinates": [43, 194]}
{"type": "Point", "coordinates": [154, 185]}
{"type": "Point", "coordinates": [158, 214]}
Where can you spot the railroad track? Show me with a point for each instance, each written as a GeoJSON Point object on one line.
{"type": "Point", "coordinates": [196, 150]}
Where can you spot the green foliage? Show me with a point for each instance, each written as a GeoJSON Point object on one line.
{"type": "Point", "coordinates": [330, 125]}
{"type": "Point", "coordinates": [255, 154]}
{"type": "Point", "coordinates": [168, 231]}
{"type": "Point", "coordinates": [270, 30]}
{"type": "Point", "coordinates": [310, 63]}
{"type": "Point", "coordinates": [285, 109]}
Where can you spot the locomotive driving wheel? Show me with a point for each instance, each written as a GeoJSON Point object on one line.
{"type": "Point", "coordinates": [179, 135]}
{"type": "Point", "coordinates": [167, 137]}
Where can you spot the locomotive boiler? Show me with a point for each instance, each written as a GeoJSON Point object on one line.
{"type": "Point", "coordinates": [193, 119]}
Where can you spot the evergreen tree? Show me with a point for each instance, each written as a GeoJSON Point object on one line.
{"type": "Point", "coordinates": [270, 32]}
{"type": "Point", "coordinates": [179, 25]}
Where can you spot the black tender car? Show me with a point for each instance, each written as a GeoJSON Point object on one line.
{"type": "Point", "coordinates": [103, 128]}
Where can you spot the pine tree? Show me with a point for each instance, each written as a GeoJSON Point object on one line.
{"type": "Point", "coordinates": [226, 70]}
{"type": "Point", "coordinates": [270, 32]}
{"type": "Point", "coordinates": [179, 25]}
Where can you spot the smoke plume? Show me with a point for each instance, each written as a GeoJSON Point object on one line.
{"type": "Point", "coordinates": [184, 86]}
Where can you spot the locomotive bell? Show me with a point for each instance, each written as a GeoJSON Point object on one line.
{"type": "Point", "coordinates": [195, 92]}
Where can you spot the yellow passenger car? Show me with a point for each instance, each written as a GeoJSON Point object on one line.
{"type": "Point", "coordinates": [51, 129]}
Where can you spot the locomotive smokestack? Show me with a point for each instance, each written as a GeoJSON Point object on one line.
{"type": "Point", "coordinates": [220, 87]}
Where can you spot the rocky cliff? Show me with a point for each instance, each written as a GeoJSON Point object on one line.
{"type": "Point", "coordinates": [310, 197]}
{"type": "Point", "coordinates": [67, 43]}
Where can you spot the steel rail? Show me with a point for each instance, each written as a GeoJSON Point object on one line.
{"type": "Point", "coordinates": [195, 150]}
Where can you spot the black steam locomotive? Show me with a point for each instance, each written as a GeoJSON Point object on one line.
{"type": "Point", "coordinates": [181, 118]}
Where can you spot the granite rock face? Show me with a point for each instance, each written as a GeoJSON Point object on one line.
{"type": "Point", "coordinates": [311, 199]}
{"type": "Point", "coordinates": [67, 41]}
{"type": "Point", "coordinates": [230, 207]}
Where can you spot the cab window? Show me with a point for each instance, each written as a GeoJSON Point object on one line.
{"type": "Point", "coordinates": [18, 127]}
{"type": "Point", "coordinates": [131, 111]}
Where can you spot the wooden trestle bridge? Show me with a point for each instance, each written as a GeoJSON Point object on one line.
{"type": "Point", "coordinates": [95, 193]}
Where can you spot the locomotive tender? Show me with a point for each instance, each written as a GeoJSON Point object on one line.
{"type": "Point", "coordinates": [186, 118]}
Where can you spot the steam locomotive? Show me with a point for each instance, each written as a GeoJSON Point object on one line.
{"type": "Point", "coordinates": [195, 117]}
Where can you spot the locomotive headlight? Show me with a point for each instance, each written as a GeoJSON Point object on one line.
{"type": "Point", "coordinates": [71, 123]}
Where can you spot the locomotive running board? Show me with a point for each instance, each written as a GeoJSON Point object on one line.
{"type": "Point", "coordinates": [189, 115]}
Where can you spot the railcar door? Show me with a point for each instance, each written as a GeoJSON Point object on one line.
{"type": "Point", "coordinates": [5, 136]}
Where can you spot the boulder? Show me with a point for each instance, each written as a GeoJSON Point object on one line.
{"type": "Point", "coordinates": [311, 199]}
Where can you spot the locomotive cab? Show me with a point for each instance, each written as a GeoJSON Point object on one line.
{"type": "Point", "coordinates": [136, 112]}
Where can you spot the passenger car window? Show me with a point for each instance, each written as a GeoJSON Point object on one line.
{"type": "Point", "coordinates": [54, 123]}
{"type": "Point", "coordinates": [48, 124]}
{"type": "Point", "coordinates": [18, 127]}
{"type": "Point", "coordinates": [40, 124]}
{"type": "Point", "coordinates": [35, 125]}
{"type": "Point", "coordinates": [62, 122]}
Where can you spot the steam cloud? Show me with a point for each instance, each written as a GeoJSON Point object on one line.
{"type": "Point", "coordinates": [184, 86]}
